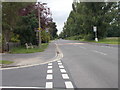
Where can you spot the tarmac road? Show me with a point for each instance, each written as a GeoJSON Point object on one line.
{"type": "Point", "coordinates": [83, 66]}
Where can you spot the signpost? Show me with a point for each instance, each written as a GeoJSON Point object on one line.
{"type": "Point", "coordinates": [95, 30]}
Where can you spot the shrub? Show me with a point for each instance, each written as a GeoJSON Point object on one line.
{"type": "Point", "coordinates": [89, 37]}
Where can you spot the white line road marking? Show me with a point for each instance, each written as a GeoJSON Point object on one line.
{"type": "Point", "coordinates": [49, 63]}
{"type": "Point", "coordinates": [99, 52]}
{"type": "Point", "coordinates": [49, 71]}
{"type": "Point", "coordinates": [49, 66]}
{"type": "Point", "coordinates": [61, 66]}
{"type": "Point", "coordinates": [22, 87]}
{"type": "Point", "coordinates": [49, 85]}
{"type": "Point", "coordinates": [65, 76]}
{"type": "Point", "coordinates": [49, 76]}
{"type": "Point", "coordinates": [62, 70]}
{"type": "Point", "coordinates": [59, 63]}
{"type": "Point", "coordinates": [69, 84]}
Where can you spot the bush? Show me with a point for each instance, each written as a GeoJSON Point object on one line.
{"type": "Point", "coordinates": [89, 37]}
{"type": "Point", "coordinates": [45, 36]}
{"type": "Point", "coordinates": [75, 37]}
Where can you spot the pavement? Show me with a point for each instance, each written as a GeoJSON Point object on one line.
{"type": "Point", "coordinates": [31, 58]}
{"type": "Point", "coordinates": [83, 65]}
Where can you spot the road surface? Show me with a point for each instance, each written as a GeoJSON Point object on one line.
{"type": "Point", "coordinates": [83, 66]}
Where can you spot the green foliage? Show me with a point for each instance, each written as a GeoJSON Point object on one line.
{"type": "Point", "coordinates": [53, 30]}
{"type": "Point", "coordinates": [10, 17]}
{"type": "Point", "coordinates": [45, 36]}
{"type": "Point", "coordinates": [77, 37]}
{"type": "Point", "coordinates": [25, 29]}
{"type": "Point", "coordinates": [15, 38]}
{"type": "Point", "coordinates": [88, 37]}
{"type": "Point", "coordinates": [22, 28]}
{"type": "Point", "coordinates": [85, 15]}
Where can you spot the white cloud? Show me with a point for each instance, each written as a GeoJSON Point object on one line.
{"type": "Point", "coordinates": [60, 11]}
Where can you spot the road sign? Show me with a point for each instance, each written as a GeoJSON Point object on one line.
{"type": "Point", "coordinates": [39, 28]}
{"type": "Point", "coordinates": [94, 28]}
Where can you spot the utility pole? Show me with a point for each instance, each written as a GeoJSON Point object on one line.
{"type": "Point", "coordinates": [39, 29]}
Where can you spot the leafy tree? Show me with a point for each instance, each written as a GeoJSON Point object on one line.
{"type": "Point", "coordinates": [85, 15]}
{"type": "Point", "coordinates": [53, 30]}
{"type": "Point", "coordinates": [45, 36]}
{"type": "Point", "coordinates": [25, 29]}
{"type": "Point", "coordinates": [10, 16]}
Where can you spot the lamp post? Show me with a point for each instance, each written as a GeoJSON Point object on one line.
{"type": "Point", "coordinates": [95, 30]}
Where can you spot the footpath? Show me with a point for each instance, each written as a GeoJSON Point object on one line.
{"type": "Point", "coordinates": [32, 58]}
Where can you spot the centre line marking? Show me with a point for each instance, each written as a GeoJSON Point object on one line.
{"type": "Point", "coordinates": [59, 63]}
{"type": "Point", "coordinates": [49, 66]}
{"type": "Point", "coordinates": [65, 76]}
{"type": "Point", "coordinates": [63, 70]}
{"type": "Point", "coordinates": [49, 85]}
{"type": "Point", "coordinates": [49, 63]}
{"type": "Point", "coordinates": [49, 76]}
{"type": "Point", "coordinates": [61, 66]}
{"type": "Point", "coordinates": [69, 84]}
{"type": "Point", "coordinates": [49, 71]}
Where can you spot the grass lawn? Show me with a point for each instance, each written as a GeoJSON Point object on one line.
{"type": "Point", "coordinates": [109, 41]}
{"type": "Point", "coordinates": [5, 62]}
{"type": "Point", "coordinates": [30, 50]}
{"type": "Point", "coordinates": [112, 40]}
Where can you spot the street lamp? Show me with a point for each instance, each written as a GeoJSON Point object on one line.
{"type": "Point", "coordinates": [95, 30]}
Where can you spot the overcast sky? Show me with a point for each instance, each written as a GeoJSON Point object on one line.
{"type": "Point", "coordinates": [60, 11]}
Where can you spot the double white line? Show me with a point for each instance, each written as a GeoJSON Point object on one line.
{"type": "Point", "coordinates": [65, 76]}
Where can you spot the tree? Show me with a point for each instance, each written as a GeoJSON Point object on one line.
{"type": "Point", "coordinates": [10, 16]}
{"type": "Point", "coordinates": [25, 29]}
{"type": "Point", "coordinates": [53, 30]}
{"type": "Point", "coordinates": [85, 15]}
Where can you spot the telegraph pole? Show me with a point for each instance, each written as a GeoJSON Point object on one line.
{"type": "Point", "coordinates": [39, 29]}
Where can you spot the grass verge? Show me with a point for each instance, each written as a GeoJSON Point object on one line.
{"type": "Point", "coordinates": [18, 50]}
{"type": "Point", "coordinates": [109, 40]}
{"type": "Point", "coordinates": [5, 62]}
{"type": "Point", "coordinates": [112, 40]}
